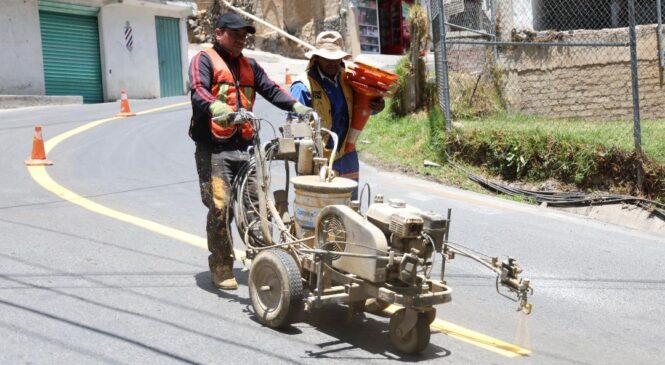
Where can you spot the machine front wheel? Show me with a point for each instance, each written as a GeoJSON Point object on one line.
{"type": "Point", "coordinates": [275, 288]}
{"type": "Point", "coordinates": [413, 341]}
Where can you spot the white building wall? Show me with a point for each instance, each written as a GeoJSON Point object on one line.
{"type": "Point", "coordinates": [22, 69]}
{"type": "Point", "coordinates": [21, 60]}
{"type": "Point", "coordinates": [184, 53]}
{"type": "Point", "coordinates": [523, 13]}
{"type": "Point", "coordinates": [136, 71]}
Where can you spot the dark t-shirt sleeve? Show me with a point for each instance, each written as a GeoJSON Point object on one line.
{"type": "Point", "coordinates": [200, 79]}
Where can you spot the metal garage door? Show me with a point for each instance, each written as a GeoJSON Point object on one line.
{"type": "Point", "coordinates": [168, 51]}
{"type": "Point", "coordinates": [70, 47]}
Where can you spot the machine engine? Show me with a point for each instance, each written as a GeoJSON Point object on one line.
{"type": "Point", "coordinates": [409, 229]}
{"type": "Point", "coordinates": [403, 236]}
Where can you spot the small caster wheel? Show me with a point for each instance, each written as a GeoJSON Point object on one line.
{"type": "Point", "coordinates": [430, 314]}
{"type": "Point", "coordinates": [416, 339]}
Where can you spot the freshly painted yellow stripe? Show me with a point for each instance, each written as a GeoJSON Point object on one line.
{"type": "Point", "coordinates": [51, 143]}
{"type": "Point", "coordinates": [479, 339]}
{"type": "Point", "coordinates": [41, 176]}
{"type": "Point", "coordinates": [472, 337]}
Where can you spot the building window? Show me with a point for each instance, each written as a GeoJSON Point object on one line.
{"type": "Point", "coordinates": [561, 15]}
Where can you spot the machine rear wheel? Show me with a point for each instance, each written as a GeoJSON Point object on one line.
{"type": "Point", "coordinates": [415, 340]}
{"type": "Point", "coordinates": [275, 288]}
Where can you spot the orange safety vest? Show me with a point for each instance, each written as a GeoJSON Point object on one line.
{"type": "Point", "coordinates": [227, 90]}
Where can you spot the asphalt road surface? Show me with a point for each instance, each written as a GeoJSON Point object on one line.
{"type": "Point", "coordinates": [101, 261]}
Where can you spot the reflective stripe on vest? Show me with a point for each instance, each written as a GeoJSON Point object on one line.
{"type": "Point", "coordinates": [226, 89]}
{"type": "Point", "coordinates": [322, 106]}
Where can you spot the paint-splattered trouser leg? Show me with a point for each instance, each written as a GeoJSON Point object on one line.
{"type": "Point", "coordinates": [214, 194]}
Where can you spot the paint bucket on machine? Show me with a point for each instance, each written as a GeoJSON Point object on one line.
{"type": "Point", "coordinates": [312, 195]}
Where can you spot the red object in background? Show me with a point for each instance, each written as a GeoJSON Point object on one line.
{"type": "Point", "coordinates": [393, 18]}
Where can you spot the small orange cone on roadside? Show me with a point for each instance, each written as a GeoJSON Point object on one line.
{"type": "Point", "coordinates": [125, 111]}
{"type": "Point", "coordinates": [287, 81]}
{"type": "Point", "coordinates": [38, 157]}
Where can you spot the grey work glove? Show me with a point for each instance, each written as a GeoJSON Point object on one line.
{"type": "Point", "coordinates": [221, 113]}
{"type": "Point", "coordinates": [302, 109]}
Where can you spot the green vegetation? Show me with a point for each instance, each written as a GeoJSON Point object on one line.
{"type": "Point", "coordinates": [487, 140]}
{"type": "Point", "coordinates": [403, 143]}
{"type": "Point", "coordinates": [591, 155]}
{"type": "Point", "coordinates": [617, 134]}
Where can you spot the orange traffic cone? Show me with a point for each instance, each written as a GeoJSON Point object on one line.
{"type": "Point", "coordinates": [125, 111]}
{"type": "Point", "coordinates": [287, 81]}
{"type": "Point", "coordinates": [38, 157]}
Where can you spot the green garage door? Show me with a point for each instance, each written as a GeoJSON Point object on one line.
{"type": "Point", "coordinates": [70, 46]}
{"type": "Point", "coordinates": [168, 53]}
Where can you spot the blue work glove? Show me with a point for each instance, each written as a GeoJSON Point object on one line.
{"type": "Point", "coordinates": [301, 109]}
{"type": "Point", "coordinates": [221, 113]}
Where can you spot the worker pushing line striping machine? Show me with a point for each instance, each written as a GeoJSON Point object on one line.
{"type": "Point", "coordinates": [327, 250]}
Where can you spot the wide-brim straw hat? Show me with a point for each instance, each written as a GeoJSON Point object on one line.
{"type": "Point", "coordinates": [330, 45]}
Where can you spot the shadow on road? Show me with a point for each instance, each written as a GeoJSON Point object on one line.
{"type": "Point", "coordinates": [204, 281]}
{"type": "Point", "coordinates": [363, 331]}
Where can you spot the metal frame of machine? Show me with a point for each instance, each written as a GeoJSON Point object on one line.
{"type": "Point", "coordinates": [328, 251]}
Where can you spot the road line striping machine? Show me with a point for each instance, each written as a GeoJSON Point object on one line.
{"type": "Point", "coordinates": [325, 250]}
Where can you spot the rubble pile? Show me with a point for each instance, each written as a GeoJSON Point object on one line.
{"type": "Point", "coordinates": [201, 26]}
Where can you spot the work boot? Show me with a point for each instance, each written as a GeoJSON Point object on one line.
{"type": "Point", "coordinates": [222, 278]}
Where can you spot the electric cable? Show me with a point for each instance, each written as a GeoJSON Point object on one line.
{"type": "Point", "coordinates": [563, 199]}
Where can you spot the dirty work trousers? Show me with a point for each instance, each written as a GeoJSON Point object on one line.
{"type": "Point", "coordinates": [216, 174]}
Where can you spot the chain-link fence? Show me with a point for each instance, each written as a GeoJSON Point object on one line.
{"type": "Point", "coordinates": [563, 66]}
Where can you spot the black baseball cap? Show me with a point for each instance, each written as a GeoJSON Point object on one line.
{"type": "Point", "coordinates": [233, 21]}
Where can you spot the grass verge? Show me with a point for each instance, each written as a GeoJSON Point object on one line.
{"type": "Point", "coordinates": [592, 156]}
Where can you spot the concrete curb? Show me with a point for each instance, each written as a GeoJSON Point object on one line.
{"type": "Point", "coordinates": [21, 101]}
{"type": "Point", "coordinates": [624, 215]}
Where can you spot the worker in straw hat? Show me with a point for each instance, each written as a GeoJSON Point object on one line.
{"type": "Point", "coordinates": [325, 89]}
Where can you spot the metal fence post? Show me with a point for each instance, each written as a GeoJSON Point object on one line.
{"type": "Point", "coordinates": [659, 30]}
{"type": "Point", "coordinates": [437, 14]}
{"type": "Point", "coordinates": [637, 132]}
{"type": "Point", "coordinates": [495, 50]}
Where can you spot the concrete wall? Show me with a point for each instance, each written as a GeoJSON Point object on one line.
{"type": "Point", "coordinates": [524, 11]}
{"type": "Point", "coordinates": [136, 71]}
{"type": "Point", "coordinates": [22, 70]}
{"type": "Point", "coordinates": [584, 82]}
{"type": "Point", "coordinates": [463, 58]}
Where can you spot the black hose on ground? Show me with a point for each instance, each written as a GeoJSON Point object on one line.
{"type": "Point", "coordinates": [564, 199]}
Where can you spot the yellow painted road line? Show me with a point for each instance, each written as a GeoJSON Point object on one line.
{"type": "Point", "coordinates": [472, 337]}
{"type": "Point", "coordinates": [51, 143]}
{"type": "Point", "coordinates": [478, 339]}
{"type": "Point", "coordinates": [41, 176]}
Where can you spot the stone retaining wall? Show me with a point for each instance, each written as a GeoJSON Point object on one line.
{"type": "Point", "coordinates": [585, 82]}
